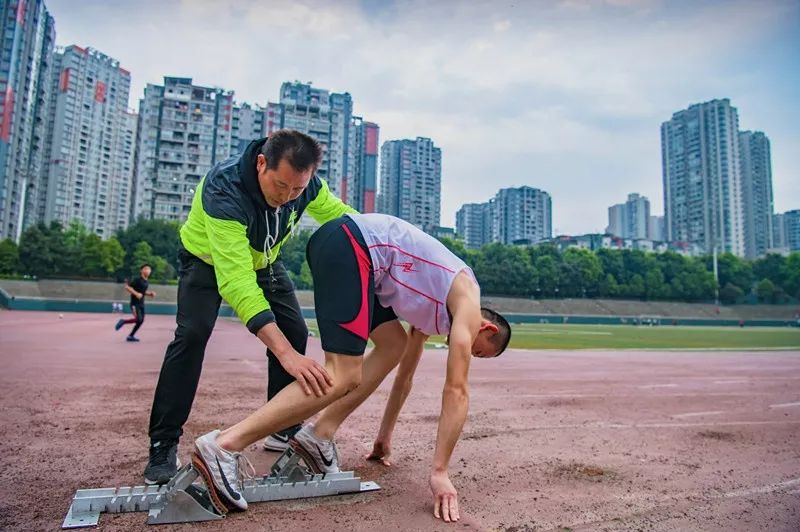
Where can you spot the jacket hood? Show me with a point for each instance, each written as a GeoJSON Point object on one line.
{"type": "Point", "coordinates": [249, 174]}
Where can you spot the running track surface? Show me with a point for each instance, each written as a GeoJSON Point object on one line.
{"type": "Point", "coordinates": [584, 440]}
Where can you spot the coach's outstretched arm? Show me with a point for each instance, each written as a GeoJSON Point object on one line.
{"type": "Point", "coordinates": [464, 304]}
{"type": "Point", "coordinates": [237, 284]}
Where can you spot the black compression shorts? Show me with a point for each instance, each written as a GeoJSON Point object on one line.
{"type": "Point", "coordinates": [344, 289]}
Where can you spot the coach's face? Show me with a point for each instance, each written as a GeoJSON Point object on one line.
{"type": "Point", "coordinates": [282, 184]}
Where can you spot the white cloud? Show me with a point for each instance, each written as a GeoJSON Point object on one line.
{"type": "Point", "coordinates": [568, 97]}
{"type": "Point", "coordinates": [502, 25]}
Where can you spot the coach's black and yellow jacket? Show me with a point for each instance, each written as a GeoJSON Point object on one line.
{"type": "Point", "coordinates": [231, 227]}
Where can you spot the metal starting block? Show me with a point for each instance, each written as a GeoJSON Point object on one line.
{"type": "Point", "coordinates": [184, 500]}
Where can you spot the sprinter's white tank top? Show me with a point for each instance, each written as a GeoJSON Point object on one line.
{"type": "Point", "coordinates": [413, 271]}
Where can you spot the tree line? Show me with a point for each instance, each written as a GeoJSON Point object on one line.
{"type": "Point", "coordinates": [541, 271]}
{"type": "Point", "coordinates": [55, 251]}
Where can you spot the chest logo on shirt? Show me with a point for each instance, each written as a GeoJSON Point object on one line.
{"type": "Point", "coordinates": [408, 267]}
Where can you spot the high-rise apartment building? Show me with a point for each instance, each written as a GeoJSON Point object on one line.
{"type": "Point", "coordinates": [791, 223]}
{"type": "Point", "coordinates": [323, 115]}
{"type": "Point", "coordinates": [90, 142]}
{"type": "Point", "coordinates": [27, 39]}
{"type": "Point", "coordinates": [756, 170]}
{"type": "Point", "coordinates": [247, 124]}
{"type": "Point", "coordinates": [702, 177]}
{"type": "Point", "coordinates": [360, 187]}
{"type": "Point", "coordinates": [522, 215]}
{"type": "Point", "coordinates": [411, 181]}
{"type": "Point", "coordinates": [655, 228]}
{"type": "Point", "coordinates": [124, 190]}
{"type": "Point", "coordinates": [779, 232]}
{"type": "Point", "coordinates": [630, 219]}
{"type": "Point", "coordinates": [474, 224]}
{"type": "Point", "coordinates": [616, 220]}
{"type": "Point", "coordinates": [184, 130]}
{"type": "Point", "coordinates": [340, 159]}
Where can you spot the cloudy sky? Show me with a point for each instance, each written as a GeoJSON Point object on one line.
{"type": "Point", "coordinates": [567, 96]}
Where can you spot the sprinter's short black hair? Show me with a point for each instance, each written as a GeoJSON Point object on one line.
{"type": "Point", "coordinates": [503, 335]}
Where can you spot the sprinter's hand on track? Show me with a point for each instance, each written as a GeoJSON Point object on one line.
{"type": "Point", "coordinates": [445, 497]}
{"type": "Point", "coordinates": [381, 450]}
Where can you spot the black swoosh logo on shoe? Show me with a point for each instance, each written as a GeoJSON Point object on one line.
{"type": "Point", "coordinates": [228, 487]}
{"type": "Point", "coordinates": [327, 463]}
{"type": "Point", "coordinates": [280, 438]}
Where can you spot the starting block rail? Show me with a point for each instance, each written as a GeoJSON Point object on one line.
{"type": "Point", "coordinates": [183, 500]}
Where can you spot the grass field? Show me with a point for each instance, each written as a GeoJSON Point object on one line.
{"type": "Point", "coordinates": [536, 336]}
{"type": "Point", "coordinates": [552, 336]}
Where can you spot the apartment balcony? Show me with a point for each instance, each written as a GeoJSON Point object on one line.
{"type": "Point", "coordinates": [163, 196]}
{"type": "Point", "coordinates": [176, 158]}
{"type": "Point", "coordinates": [171, 143]}
{"type": "Point", "coordinates": [176, 97]}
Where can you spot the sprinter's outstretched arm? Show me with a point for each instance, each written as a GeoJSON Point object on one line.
{"type": "Point", "coordinates": [381, 449]}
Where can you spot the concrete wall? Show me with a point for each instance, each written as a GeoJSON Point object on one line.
{"type": "Point", "coordinates": [99, 296]}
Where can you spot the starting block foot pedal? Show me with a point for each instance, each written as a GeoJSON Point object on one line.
{"type": "Point", "coordinates": [186, 505]}
{"type": "Point", "coordinates": [182, 500]}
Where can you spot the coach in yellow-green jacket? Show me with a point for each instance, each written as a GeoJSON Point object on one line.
{"type": "Point", "coordinates": [242, 212]}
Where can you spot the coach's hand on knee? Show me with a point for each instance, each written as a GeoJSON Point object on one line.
{"type": "Point", "coordinates": [311, 376]}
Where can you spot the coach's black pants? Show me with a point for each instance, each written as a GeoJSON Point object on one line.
{"type": "Point", "coordinates": [198, 304]}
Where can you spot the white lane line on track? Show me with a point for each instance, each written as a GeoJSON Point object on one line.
{"type": "Point", "coordinates": [623, 395]}
{"type": "Point", "coordinates": [697, 414]}
{"type": "Point", "coordinates": [607, 425]}
{"type": "Point", "coordinates": [557, 395]}
{"type": "Point", "coordinates": [690, 425]}
{"type": "Point", "coordinates": [650, 386]}
{"type": "Point", "coordinates": [743, 381]}
{"type": "Point", "coordinates": [698, 424]}
{"type": "Point", "coordinates": [574, 333]}
{"type": "Point", "coordinates": [764, 489]}
{"type": "Point", "coordinates": [785, 405]}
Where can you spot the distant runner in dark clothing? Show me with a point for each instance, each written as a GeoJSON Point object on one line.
{"type": "Point", "coordinates": [138, 290]}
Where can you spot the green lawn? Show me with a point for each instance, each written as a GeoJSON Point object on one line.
{"type": "Point", "coordinates": [548, 336]}
{"type": "Point", "coordinates": [552, 336]}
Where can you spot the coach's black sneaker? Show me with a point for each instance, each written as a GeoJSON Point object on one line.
{"type": "Point", "coordinates": [279, 441]}
{"type": "Point", "coordinates": [163, 462]}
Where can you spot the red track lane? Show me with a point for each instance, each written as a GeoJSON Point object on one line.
{"type": "Point", "coordinates": [586, 440]}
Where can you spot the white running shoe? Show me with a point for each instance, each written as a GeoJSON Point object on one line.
{"type": "Point", "coordinates": [320, 455]}
{"type": "Point", "coordinates": [279, 441]}
{"type": "Point", "coordinates": [222, 472]}
{"type": "Point", "coordinates": [276, 442]}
